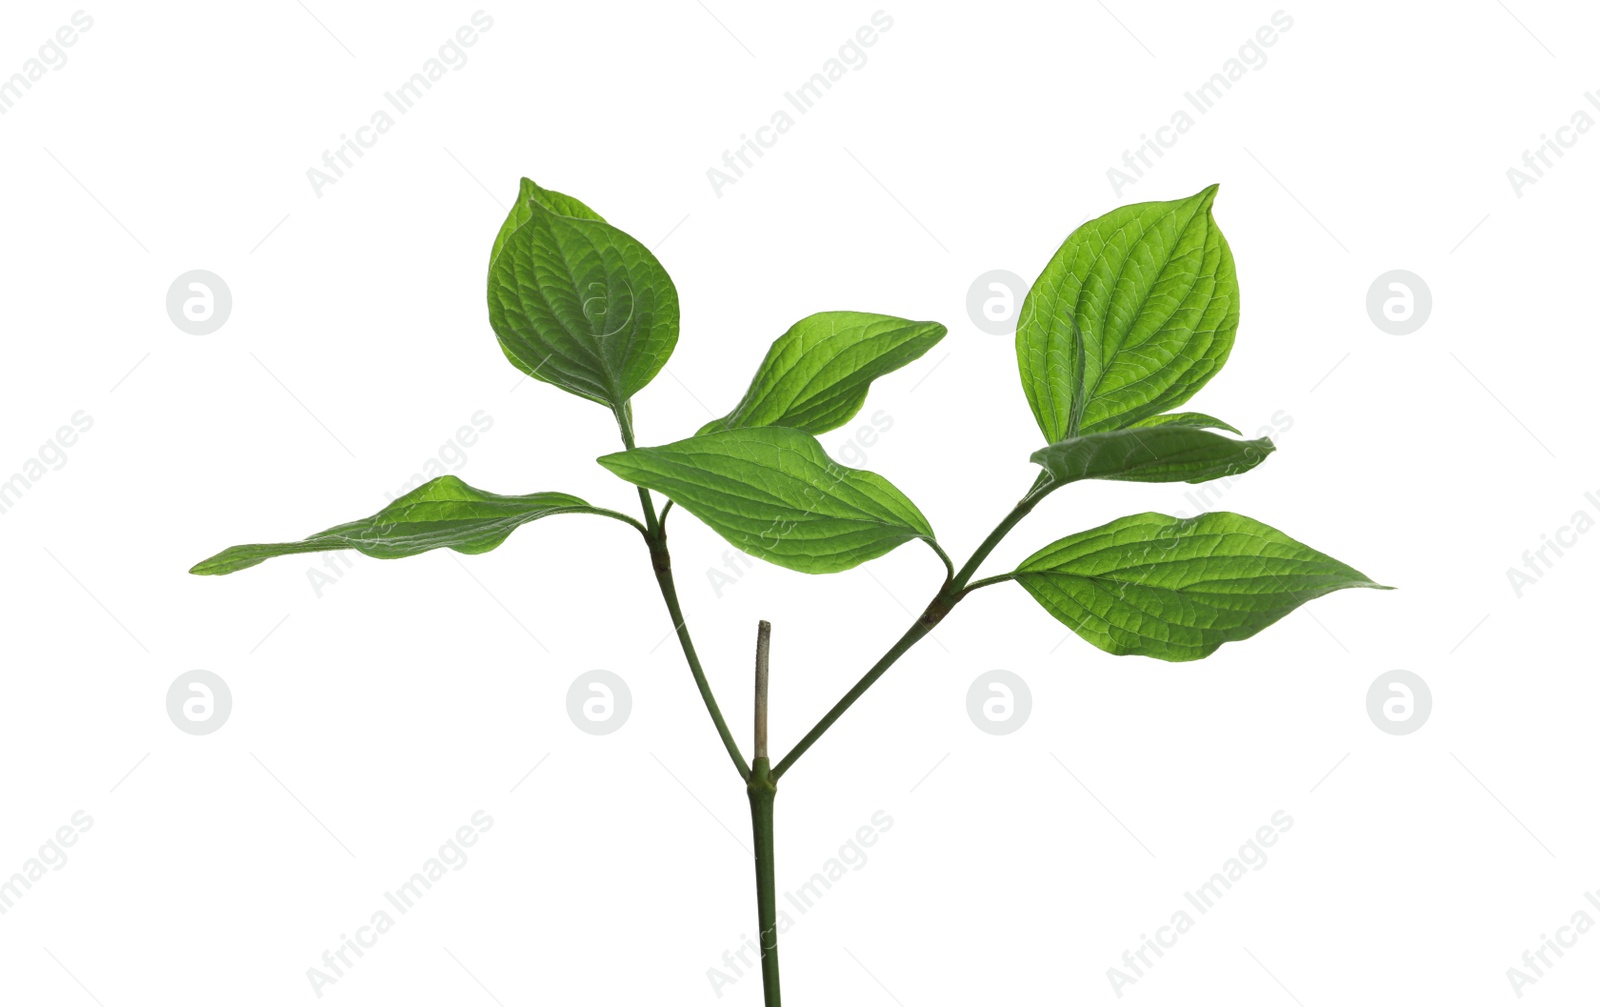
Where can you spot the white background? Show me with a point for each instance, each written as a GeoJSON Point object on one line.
{"type": "Point", "coordinates": [371, 722]}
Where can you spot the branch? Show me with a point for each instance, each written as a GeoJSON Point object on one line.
{"type": "Point", "coordinates": [953, 591]}
{"type": "Point", "coordinates": [918, 630]}
{"type": "Point", "coordinates": [1042, 487]}
{"type": "Point", "coordinates": [661, 562]}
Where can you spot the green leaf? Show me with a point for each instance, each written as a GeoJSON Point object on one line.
{"type": "Point", "coordinates": [1178, 588]}
{"type": "Point", "coordinates": [815, 377]}
{"type": "Point", "coordinates": [1185, 419]}
{"type": "Point", "coordinates": [1134, 313]}
{"type": "Point", "coordinates": [442, 512]}
{"type": "Point", "coordinates": [578, 303]}
{"type": "Point", "coordinates": [774, 493]}
{"type": "Point", "coordinates": [1170, 453]}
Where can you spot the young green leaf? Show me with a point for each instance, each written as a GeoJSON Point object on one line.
{"type": "Point", "coordinates": [815, 377]}
{"type": "Point", "coordinates": [1169, 453]}
{"type": "Point", "coordinates": [774, 493]}
{"type": "Point", "coordinates": [577, 302]}
{"type": "Point", "coordinates": [1134, 313]}
{"type": "Point", "coordinates": [1184, 419]}
{"type": "Point", "coordinates": [1178, 588]}
{"type": "Point", "coordinates": [442, 512]}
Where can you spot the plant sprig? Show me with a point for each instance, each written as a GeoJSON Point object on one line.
{"type": "Point", "coordinates": [1133, 315]}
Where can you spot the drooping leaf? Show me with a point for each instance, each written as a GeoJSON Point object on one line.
{"type": "Point", "coordinates": [444, 512]}
{"type": "Point", "coordinates": [577, 302]}
{"type": "Point", "coordinates": [815, 377]}
{"type": "Point", "coordinates": [1133, 314]}
{"type": "Point", "coordinates": [774, 493]}
{"type": "Point", "coordinates": [1170, 453]}
{"type": "Point", "coordinates": [1178, 588]}
{"type": "Point", "coordinates": [1185, 419]}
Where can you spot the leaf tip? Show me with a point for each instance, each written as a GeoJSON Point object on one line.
{"type": "Point", "coordinates": [613, 462]}
{"type": "Point", "coordinates": [216, 566]}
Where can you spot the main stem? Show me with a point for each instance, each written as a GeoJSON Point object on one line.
{"type": "Point", "coordinates": [763, 791]}
{"type": "Point", "coordinates": [761, 779]}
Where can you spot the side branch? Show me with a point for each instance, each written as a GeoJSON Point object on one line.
{"type": "Point", "coordinates": [953, 591]}
{"type": "Point", "coordinates": [655, 535]}
{"type": "Point", "coordinates": [661, 561]}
